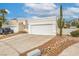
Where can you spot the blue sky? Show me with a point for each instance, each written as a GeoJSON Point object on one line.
{"type": "Point", "coordinates": [31, 10]}
{"type": "Point", "coordinates": [15, 10]}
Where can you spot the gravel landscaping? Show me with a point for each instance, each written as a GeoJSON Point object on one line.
{"type": "Point", "coordinates": [55, 46]}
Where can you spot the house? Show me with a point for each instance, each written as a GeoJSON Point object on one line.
{"type": "Point", "coordinates": [39, 26]}
{"type": "Point", "coordinates": [42, 26]}
{"type": "Point", "coordinates": [17, 25]}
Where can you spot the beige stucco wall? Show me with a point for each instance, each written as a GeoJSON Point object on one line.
{"type": "Point", "coordinates": [18, 25]}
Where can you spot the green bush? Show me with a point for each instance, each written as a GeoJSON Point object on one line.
{"type": "Point", "coordinates": [75, 33]}
{"type": "Point", "coordinates": [77, 26]}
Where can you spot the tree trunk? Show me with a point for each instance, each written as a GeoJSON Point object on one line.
{"type": "Point", "coordinates": [0, 24]}
{"type": "Point", "coordinates": [3, 17]}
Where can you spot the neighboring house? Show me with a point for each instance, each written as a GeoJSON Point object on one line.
{"type": "Point", "coordinates": [17, 25]}
{"type": "Point", "coordinates": [42, 26]}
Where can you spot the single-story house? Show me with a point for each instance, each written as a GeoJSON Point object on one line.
{"type": "Point", "coordinates": [17, 25]}
{"type": "Point", "coordinates": [42, 26]}
{"type": "Point", "coordinates": [39, 26]}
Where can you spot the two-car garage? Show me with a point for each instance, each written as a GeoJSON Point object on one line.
{"type": "Point", "coordinates": [42, 26]}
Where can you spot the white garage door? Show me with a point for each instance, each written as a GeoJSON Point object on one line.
{"type": "Point", "coordinates": [43, 29]}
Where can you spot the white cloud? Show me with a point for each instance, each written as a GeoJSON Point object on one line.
{"type": "Point", "coordinates": [35, 17]}
{"type": "Point", "coordinates": [74, 9]}
{"type": "Point", "coordinates": [41, 9]}
{"type": "Point", "coordinates": [50, 9]}
{"type": "Point", "coordinates": [71, 12]}
{"type": "Point", "coordinates": [43, 6]}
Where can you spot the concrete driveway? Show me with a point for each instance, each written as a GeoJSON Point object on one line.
{"type": "Point", "coordinates": [22, 43]}
{"type": "Point", "coordinates": [73, 50]}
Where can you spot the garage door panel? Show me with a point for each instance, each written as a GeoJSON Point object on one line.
{"type": "Point", "coordinates": [43, 29]}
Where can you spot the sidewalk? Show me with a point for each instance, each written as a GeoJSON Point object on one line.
{"type": "Point", "coordinates": [71, 51]}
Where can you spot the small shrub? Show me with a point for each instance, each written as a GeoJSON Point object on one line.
{"type": "Point", "coordinates": [22, 32]}
{"type": "Point", "coordinates": [77, 26]}
{"type": "Point", "coordinates": [67, 26]}
{"type": "Point", "coordinates": [75, 33]}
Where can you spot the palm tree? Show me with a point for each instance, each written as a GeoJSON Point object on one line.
{"type": "Point", "coordinates": [60, 21]}
{"type": "Point", "coordinates": [3, 12]}
{"type": "Point", "coordinates": [1, 21]}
